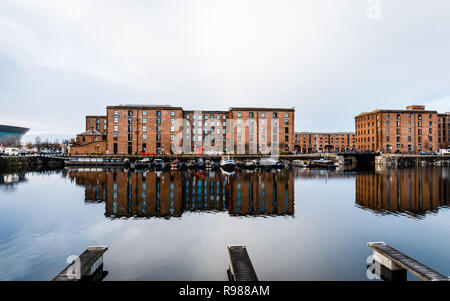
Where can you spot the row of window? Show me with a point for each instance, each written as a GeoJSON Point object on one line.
{"type": "Point", "coordinates": [211, 116]}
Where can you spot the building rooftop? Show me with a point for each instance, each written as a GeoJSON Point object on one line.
{"type": "Point", "coordinates": [416, 108]}
{"type": "Point", "coordinates": [260, 109]}
{"type": "Point", "coordinates": [92, 132]}
{"type": "Point", "coordinates": [325, 133]}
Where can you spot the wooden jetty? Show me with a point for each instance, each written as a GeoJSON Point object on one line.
{"type": "Point", "coordinates": [88, 266]}
{"type": "Point", "coordinates": [396, 261]}
{"type": "Point", "coordinates": [241, 268]}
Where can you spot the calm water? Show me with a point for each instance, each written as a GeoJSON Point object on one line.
{"type": "Point", "coordinates": [297, 225]}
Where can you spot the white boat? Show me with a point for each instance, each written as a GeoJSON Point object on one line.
{"type": "Point", "coordinates": [227, 164]}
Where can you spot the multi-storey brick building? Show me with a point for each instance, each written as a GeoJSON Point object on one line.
{"type": "Point", "coordinates": [309, 142]}
{"type": "Point", "coordinates": [412, 130]}
{"type": "Point", "coordinates": [444, 130]}
{"type": "Point", "coordinates": [97, 123]}
{"type": "Point", "coordinates": [137, 129]}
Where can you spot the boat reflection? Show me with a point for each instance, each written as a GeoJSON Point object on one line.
{"type": "Point", "coordinates": [412, 191]}
{"type": "Point", "coordinates": [171, 193]}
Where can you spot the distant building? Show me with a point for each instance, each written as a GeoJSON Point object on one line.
{"type": "Point", "coordinates": [154, 129]}
{"type": "Point", "coordinates": [324, 142]}
{"type": "Point", "coordinates": [412, 130]}
{"type": "Point", "coordinates": [11, 135]}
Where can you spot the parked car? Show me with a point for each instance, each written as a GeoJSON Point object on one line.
{"type": "Point", "coordinates": [423, 153]}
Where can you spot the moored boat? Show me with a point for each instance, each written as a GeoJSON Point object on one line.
{"type": "Point", "coordinates": [174, 165]}
{"type": "Point", "coordinates": [142, 164]}
{"type": "Point", "coordinates": [280, 164]}
{"type": "Point", "coordinates": [227, 164]}
{"type": "Point", "coordinates": [158, 164]}
{"type": "Point", "coordinates": [249, 164]}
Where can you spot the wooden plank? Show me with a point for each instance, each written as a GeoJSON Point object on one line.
{"type": "Point", "coordinates": [241, 268]}
{"type": "Point", "coordinates": [93, 255]}
{"type": "Point", "coordinates": [407, 263]}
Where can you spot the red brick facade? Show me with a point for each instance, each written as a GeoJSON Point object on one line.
{"type": "Point", "coordinates": [138, 129]}
{"type": "Point", "coordinates": [412, 130]}
{"type": "Point", "coordinates": [307, 142]}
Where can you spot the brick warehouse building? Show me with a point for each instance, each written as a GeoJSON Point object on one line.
{"type": "Point", "coordinates": [313, 142]}
{"type": "Point", "coordinates": [153, 129]}
{"type": "Point", "coordinates": [412, 130]}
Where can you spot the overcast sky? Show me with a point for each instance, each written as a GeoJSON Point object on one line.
{"type": "Point", "coordinates": [332, 59]}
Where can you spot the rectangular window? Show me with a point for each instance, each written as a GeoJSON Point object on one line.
{"type": "Point", "coordinates": [116, 112]}
{"type": "Point", "coordinates": [172, 129]}
{"type": "Point", "coordinates": [286, 115]}
{"type": "Point", "coordinates": [116, 128]}
{"type": "Point", "coordinates": [172, 137]}
{"type": "Point", "coordinates": [115, 137]}
{"type": "Point", "coordinates": [263, 115]}
{"type": "Point", "coordinates": [239, 114]}
{"type": "Point", "coordinates": [144, 128]}
{"type": "Point", "coordinates": [144, 113]}
{"type": "Point", "coordinates": [158, 113]}
{"type": "Point", "coordinates": [158, 120]}
{"type": "Point", "coordinates": [130, 113]}
{"type": "Point", "coordinates": [274, 115]}
{"type": "Point", "coordinates": [172, 120]}
{"type": "Point", "coordinates": [286, 122]}
{"type": "Point", "coordinates": [144, 137]}
{"type": "Point", "coordinates": [116, 120]}
{"type": "Point", "coordinates": [158, 128]}
{"type": "Point", "coordinates": [130, 137]}
{"type": "Point", "coordinates": [250, 115]}
{"type": "Point", "coordinates": [144, 120]}
{"type": "Point", "coordinates": [172, 113]}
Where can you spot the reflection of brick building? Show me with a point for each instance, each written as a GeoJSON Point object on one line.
{"type": "Point", "coordinates": [308, 142]}
{"type": "Point", "coordinates": [410, 130]}
{"type": "Point", "coordinates": [262, 193]}
{"type": "Point", "coordinates": [403, 190]}
{"type": "Point", "coordinates": [136, 129]}
{"type": "Point", "coordinates": [169, 194]}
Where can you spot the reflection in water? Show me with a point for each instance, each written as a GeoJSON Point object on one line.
{"type": "Point", "coordinates": [170, 193]}
{"type": "Point", "coordinates": [11, 178]}
{"type": "Point", "coordinates": [414, 191]}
